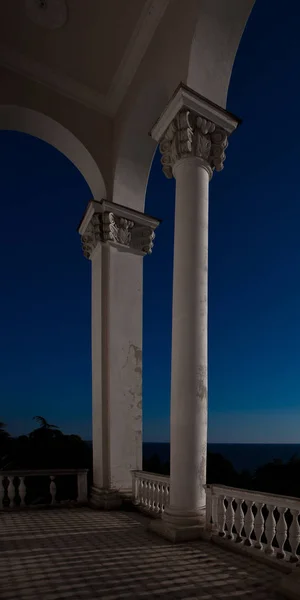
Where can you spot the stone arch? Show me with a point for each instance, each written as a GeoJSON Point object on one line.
{"type": "Point", "coordinates": [217, 35]}
{"type": "Point", "coordinates": [195, 44]}
{"type": "Point", "coordinates": [26, 120]}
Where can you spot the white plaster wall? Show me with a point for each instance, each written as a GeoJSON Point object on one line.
{"type": "Point", "coordinates": [82, 134]}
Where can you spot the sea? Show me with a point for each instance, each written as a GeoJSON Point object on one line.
{"type": "Point", "coordinates": [242, 456]}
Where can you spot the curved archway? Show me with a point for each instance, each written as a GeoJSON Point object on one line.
{"type": "Point", "coordinates": [198, 50]}
{"type": "Point", "coordinates": [26, 120]}
{"type": "Point", "coordinates": [218, 32]}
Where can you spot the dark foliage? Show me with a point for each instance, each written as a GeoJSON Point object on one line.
{"type": "Point", "coordinates": [46, 447]}
{"type": "Point", "coordinates": [276, 477]}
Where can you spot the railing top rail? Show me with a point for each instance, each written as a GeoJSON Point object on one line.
{"type": "Point", "coordinates": [263, 497]}
{"type": "Point", "coordinates": [37, 472]}
{"type": "Point", "coordinates": [148, 475]}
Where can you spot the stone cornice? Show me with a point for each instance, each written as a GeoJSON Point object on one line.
{"type": "Point", "coordinates": [185, 98]}
{"type": "Point", "coordinates": [193, 126]}
{"type": "Point", "coordinates": [109, 223]}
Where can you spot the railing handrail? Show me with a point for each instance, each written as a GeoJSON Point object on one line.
{"type": "Point", "coordinates": [149, 475]}
{"type": "Point", "coordinates": [37, 472]}
{"type": "Point", "coordinates": [274, 499]}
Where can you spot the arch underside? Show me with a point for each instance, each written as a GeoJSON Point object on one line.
{"type": "Point", "coordinates": [196, 44]}
{"type": "Point", "coordinates": [26, 120]}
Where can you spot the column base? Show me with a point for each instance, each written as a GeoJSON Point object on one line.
{"type": "Point", "coordinates": [289, 586]}
{"type": "Point", "coordinates": [108, 499]}
{"type": "Point", "coordinates": [177, 526]}
{"type": "Point", "coordinates": [176, 533]}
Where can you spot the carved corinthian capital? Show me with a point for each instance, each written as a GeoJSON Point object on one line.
{"type": "Point", "coordinates": [106, 222]}
{"type": "Point", "coordinates": [193, 126]}
{"type": "Point", "coordinates": [192, 135]}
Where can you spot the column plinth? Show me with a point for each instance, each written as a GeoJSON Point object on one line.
{"type": "Point", "coordinates": [193, 146]}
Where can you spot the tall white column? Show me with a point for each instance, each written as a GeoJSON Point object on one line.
{"type": "Point", "coordinates": [189, 339]}
{"type": "Point", "coordinates": [115, 239]}
{"type": "Point", "coordinates": [193, 136]}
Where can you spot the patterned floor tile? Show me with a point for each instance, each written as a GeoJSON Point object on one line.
{"type": "Point", "coordinates": [85, 554]}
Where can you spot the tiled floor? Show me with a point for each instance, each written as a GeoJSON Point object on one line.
{"type": "Point", "coordinates": [85, 554]}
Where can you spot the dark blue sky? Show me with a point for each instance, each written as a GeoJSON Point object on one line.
{"type": "Point", "coordinates": [254, 284]}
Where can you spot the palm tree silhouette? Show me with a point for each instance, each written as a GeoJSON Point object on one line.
{"type": "Point", "coordinates": [45, 431]}
{"type": "Point", "coordinates": [43, 423]}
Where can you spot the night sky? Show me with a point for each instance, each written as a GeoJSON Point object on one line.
{"type": "Point", "coordinates": [254, 272]}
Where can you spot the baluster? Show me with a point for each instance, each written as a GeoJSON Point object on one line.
{"type": "Point", "coordinates": [151, 494]}
{"type": "Point", "coordinates": [11, 492]}
{"type": "Point", "coordinates": [155, 496]}
{"type": "Point", "coordinates": [145, 490]}
{"type": "Point", "coordinates": [208, 508]}
{"type": "Point", "coordinates": [22, 491]}
{"type": "Point", "coordinates": [167, 495]}
{"type": "Point", "coordinates": [259, 524]}
{"type": "Point", "coordinates": [270, 529]}
{"type": "Point", "coordinates": [294, 535]}
{"type": "Point", "coordinates": [52, 489]}
{"type": "Point", "coordinates": [2, 491]}
{"type": "Point", "coordinates": [281, 532]}
{"type": "Point", "coordinates": [221, 516]}
{"type": "Point", "coordinates": [137, 490]}
{"type": "Point", "coordinates": [158, 497]}
{"type": "Point", "coordinates": [249, 522]}
{"type": "Point", "coordinates": [230, 518]}
{"type": "Point", "coordinates": [239, 520]}
{"type": "Point", "coordinates": [147, 493]}
{"type": "Point", "coordinates": [162, 497]}
{"type": "Point", "coordinates": [142, 489]}
{"type": "Point", "coordinates": [133, 487]}
{"type": "Point", "coordinates": [214, 513]}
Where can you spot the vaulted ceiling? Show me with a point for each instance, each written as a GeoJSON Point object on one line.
{"type": "Point", "coordinates": [91, 55]}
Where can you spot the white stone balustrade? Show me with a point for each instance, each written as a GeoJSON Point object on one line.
{"type": "Point", "coordinates": [150, 491]}
{"type": "Point", "coordinates": [13, 485]}
{"type": "Point", "coordinates": [264, 522]}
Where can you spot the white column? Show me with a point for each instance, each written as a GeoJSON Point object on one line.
{"type": "Point", "coordinates": [115, 239]}
{"type": "Point", "coordinates": [193, 136]}
{"type": "Point", "coordinates": [189, 342]}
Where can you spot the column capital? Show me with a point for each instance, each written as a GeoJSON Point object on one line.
{"type": "Point", "coordinates": [106, 222]}
{"type": "Point", "coordinates": [191, 125]}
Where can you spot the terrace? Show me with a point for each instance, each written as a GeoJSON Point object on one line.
{"type": "Point", "coordinates": [54, 549]}
{"type": "Point", "coordinates": [94, 85]}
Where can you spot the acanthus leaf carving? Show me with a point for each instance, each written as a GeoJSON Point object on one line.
{"type": "Point", "coordinates": [192, 135]}
{"type": "Point", "coordinates": [107, 227]}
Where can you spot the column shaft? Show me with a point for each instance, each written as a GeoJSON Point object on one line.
{"type": "Point", "coordinates": [116, 367]}
{"type": "Point", "coordinates": [189, 340]}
